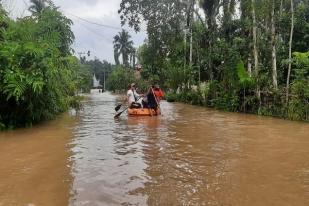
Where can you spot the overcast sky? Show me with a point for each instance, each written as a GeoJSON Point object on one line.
{"type": "Point", "coordinates": [99, 40]}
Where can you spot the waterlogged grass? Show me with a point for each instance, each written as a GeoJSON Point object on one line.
{"type": "Point", "coordinates": [297, 109]}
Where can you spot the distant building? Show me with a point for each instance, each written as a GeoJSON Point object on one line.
{"type": "Point", "coordinates": [96, 82]}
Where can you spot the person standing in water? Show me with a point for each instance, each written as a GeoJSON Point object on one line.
{"type": "Point", "coordinates": [159, 94]}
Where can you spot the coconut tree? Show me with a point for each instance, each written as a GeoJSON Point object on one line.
{"type": "Point", "coordinates": [3, 23]}
{"type": "Point", "coordinates": [290, 53]}
{"type": "Point", "coordinates": [37, 6]}
{"type": "Point", "coordinates": [123, 45]}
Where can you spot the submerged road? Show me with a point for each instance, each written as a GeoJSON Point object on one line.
{"type": "Point", "coordinates": [188, 156]}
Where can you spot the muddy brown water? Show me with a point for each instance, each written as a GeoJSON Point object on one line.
{"type": "Point", "coordinates": [188, 156]}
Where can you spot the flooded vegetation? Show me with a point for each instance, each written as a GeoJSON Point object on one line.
{"type": "Point", "coordinates": [245, 56]}
{"type": "Point", "coordinates": [188, 156]}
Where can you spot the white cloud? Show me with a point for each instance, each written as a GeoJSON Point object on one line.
{"type": "Point", "coordinates": [99, 40]}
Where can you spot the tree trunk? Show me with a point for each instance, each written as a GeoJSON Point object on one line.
{"type": "Point", "coordinates": [249, 66]}
{"type": "Point", "coordinates": [134, 59]}
{"type": "Point", "coordinates": [104, 85]}
{"type": "Point", "coordinates": [191, 31]}
{"type": "Point", "coordinates": [281, 8]}
{"type": "Point", "coordinates": [191, 46]}
{"type": "Point", "coordinates": [273, 44]}
{"type": "Point", "coordinates": [255, 50]}
{"type": "Point", "coordinates": [290, 54]}
{"type": "Point", "coordinates": [185, 51]}
{"type": "Point", "coordinates": [130, 60]}
{"type": "Point", "coordinates": [124, 59]}
{"type": "Point", "coordinates": [116, 57]}
{"type": "Point", "coordinates": [210, 69]}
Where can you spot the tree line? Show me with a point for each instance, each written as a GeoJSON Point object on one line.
{"type": "Point", "coordinates": [236, 55]}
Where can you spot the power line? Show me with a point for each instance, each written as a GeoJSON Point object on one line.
{"type": "Point", "coordinates": [98, 34]}
{"type": "Point", "coordinates": [99, 24]}
{"type": "Point", "coordinates": [95, 23]}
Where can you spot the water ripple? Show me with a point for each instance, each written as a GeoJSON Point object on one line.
{"type": "Point", "coordinates": [187, 156]}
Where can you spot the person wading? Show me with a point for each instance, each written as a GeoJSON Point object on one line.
{"type": "Point", "coordinates": [159, 94]}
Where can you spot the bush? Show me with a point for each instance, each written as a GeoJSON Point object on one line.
{"type": "Point", "coordinates": [120, 78]}
{"type": "Point", "coordinates": [38, 76]}
{"type": "Point", "coordinates": [171, 97]}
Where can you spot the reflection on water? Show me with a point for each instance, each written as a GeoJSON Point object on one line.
{"type": "Point", "coordinates": [187, 156]}
{"type": "Point", "coordinates": [35, 166]}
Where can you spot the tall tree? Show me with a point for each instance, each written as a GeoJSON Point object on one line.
{"type": "Point", "coordinates": [228, 11]}
{"type": "Point", "coordinates": [3, 23]}
{"type": "Point", "coordinates": [38, 79]}
{"type": "Point", "coordinates": [37, 6]}
{"type": "Point", "coordinates": [123, 45]}
{"type": "Point", "coordinates": [116, 55]}
{"type": "Point", "coordinates": [273, 45]}
{"type": "Point", "coordinates": [51, 19]}
{"type": "Point", "coordinates": [165, 21]}
{"type": "Point", "coordinates": [132, 57]}
{"type": "Point", "coordinates": [255, 48]}
{"type": "Point", "coordinates": [211, 10]}
{"type": "Point", "coordinates": [290, 53]}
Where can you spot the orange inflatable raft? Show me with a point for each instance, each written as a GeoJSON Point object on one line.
{"type": "Point", "coordinates": [143, 112]}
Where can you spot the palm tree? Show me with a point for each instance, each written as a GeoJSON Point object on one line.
{"type": "Point", "coordinates": [116, 53]}
{"type": "Point", "coordinates": [37, 6]}
{"type": "Point", "coordinates": [132, 57]}
{"type": "Point", "coordinates": [122, 45]}
{"type": "Point", "coordinates": [3, 22]}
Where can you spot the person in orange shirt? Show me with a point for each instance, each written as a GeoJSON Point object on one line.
{"type": "Point", "coordinates": [158, 93]}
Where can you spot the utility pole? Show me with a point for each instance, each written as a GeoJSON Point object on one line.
{"type": "Point", "coordinates": [185, 56]}
{"type": "Point", "coordinates": [191, 42]}
{"type": "Point", "coordinates": [80, 54]}
{"type": "Point", "coordinates": [104, 80]}
{"type": "Point", "coordinates": [188, 30]}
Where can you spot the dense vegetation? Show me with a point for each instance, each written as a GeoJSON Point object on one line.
{"type": "Point", "coordinates": [122, 75]}
{"type": "Point", "coordinates": [236, 55]}
{"type": "Point", "coordinates": [39, 77]}
{"type": "Point", "coordinates": [101, 69]}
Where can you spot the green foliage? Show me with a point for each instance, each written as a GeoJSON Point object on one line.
{"type": "Point", "coordinates": [37, 7]}
{"type": "Point", "coordinates": [83, 77]}
{"type": "Point", "coordinates": [176, 76]}
{"type": "Point", "coordinates": [298, 107]}
{"type": "Point", "coordinates": [38, 76]}
{"type": "Point", "coordinates": [190, 97]}
{"type": "Point", "coordinates": [3, 22]}
{"type": "Point", "coordinates": [222, 52]}
{"type": "Point", "coordinates": [120, 78]}
{"type": "Point", "coordinates": [101, 69]}
{"type": "Point", "coordinates": [62, 37]}
{"type": "Point", "coordinates": [124, 46]}
{"type": "Point", "coordinates": [75, 102]}
{"type": "Point", "coordinates": [244, 79]}
{"type": "Point", "coordinates": [171, 97]}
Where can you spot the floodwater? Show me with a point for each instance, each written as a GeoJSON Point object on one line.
{"type": "Point", "coordinates": [188, 156]}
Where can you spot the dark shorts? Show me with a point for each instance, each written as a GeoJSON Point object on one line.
{"type": "Point", "coordinates": [135, 105]}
